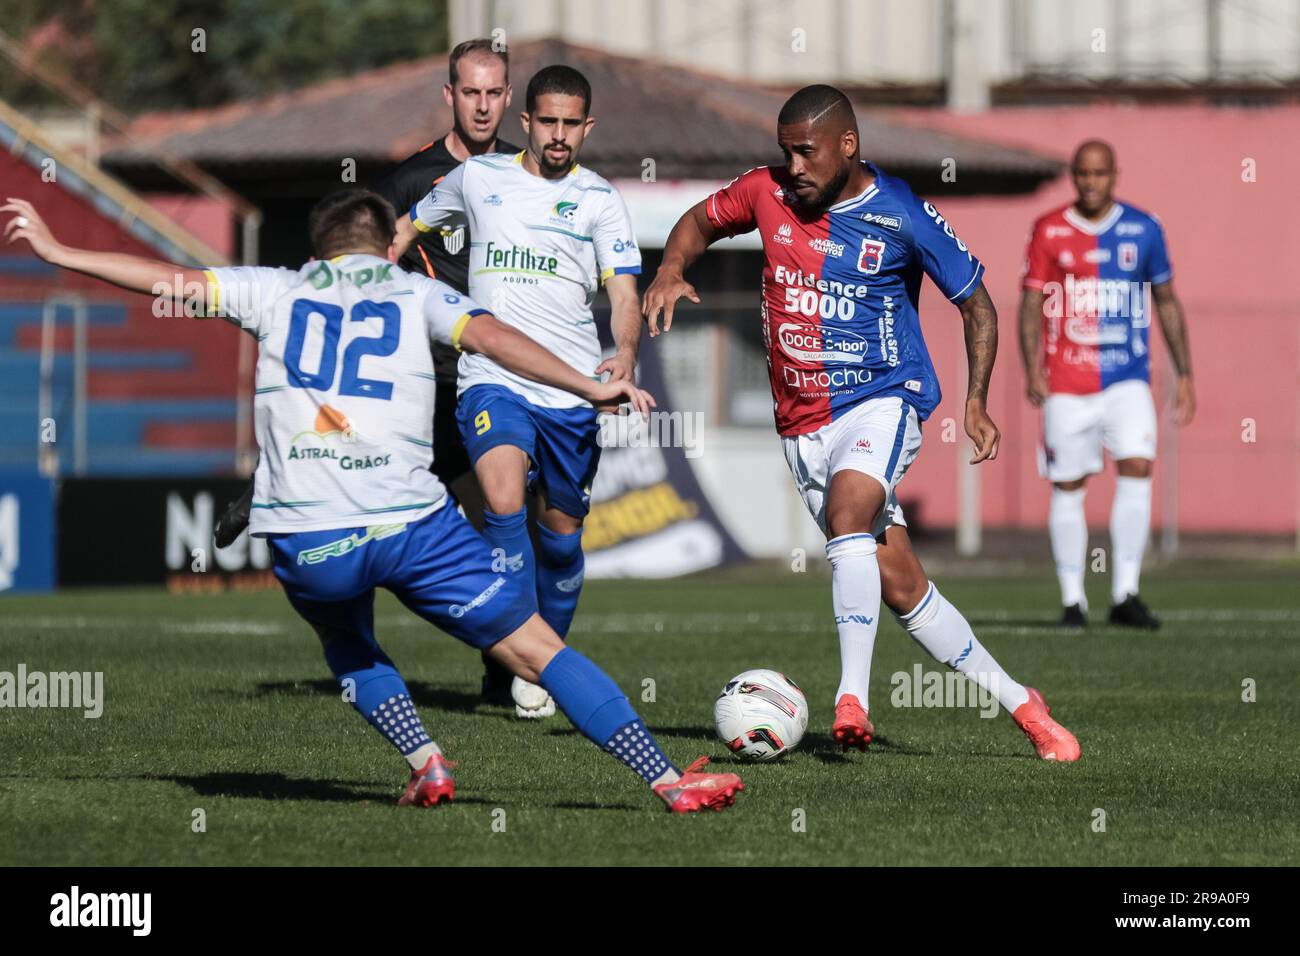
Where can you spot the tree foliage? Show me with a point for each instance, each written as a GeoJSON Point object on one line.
{"type": "Point", "coordinates": [144, 54]}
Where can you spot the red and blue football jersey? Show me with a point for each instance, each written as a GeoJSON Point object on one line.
{"type": "Point", "coordinates": [1094, 277]}
{"type": "Point", "coordinates": [840, 290]}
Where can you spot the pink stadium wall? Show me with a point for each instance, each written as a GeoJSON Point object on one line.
{"type": "Point", "coordinates": [1234, 247]}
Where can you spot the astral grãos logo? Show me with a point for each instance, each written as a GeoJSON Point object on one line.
{"type": "Point", "coordinates": [319, 442]}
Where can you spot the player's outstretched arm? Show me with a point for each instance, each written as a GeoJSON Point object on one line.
{"type": "Point", "coordinates": [625, 324]}
{"type": "Point", "coordinates": [1174, 326]}
{"type": "Point", "coordinates": [1030, 328]}
{"type": "Point", "coordinates": [692, 235]}
{"type": "Point", "coordinates": [517, 352]}
{"type": "Point", "coordinates": [130, 272]}
{"type": "Point", "coordinates": [980, 319]}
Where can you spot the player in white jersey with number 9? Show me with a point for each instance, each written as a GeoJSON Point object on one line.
{"type": "Point", "coordinates": [547, 234]}
{"type": "Point", "coordinates": [343, 490]}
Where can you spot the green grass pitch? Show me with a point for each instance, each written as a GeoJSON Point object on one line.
{"type": "Point", "coordinates": [224, 704]}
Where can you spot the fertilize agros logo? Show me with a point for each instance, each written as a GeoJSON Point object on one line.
{"type": "Point", "coordinates": [808, 343]}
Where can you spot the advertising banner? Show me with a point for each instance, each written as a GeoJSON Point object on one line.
{"type": "Point", "coordinates": [26, 533]}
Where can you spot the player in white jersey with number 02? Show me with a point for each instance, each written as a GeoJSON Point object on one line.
{"type": "Point", "coordinates": [343, 491]}
{"type": "Point", "coordinates": [547, 234]}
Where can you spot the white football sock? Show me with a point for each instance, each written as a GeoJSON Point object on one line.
{"type": "Point", "coordinates": [942, 630]}
{"type": "Point", "coordinates": [1068, 528]}
{"type": "Point", "coordinates": [855, 595]}
{"type": "Point", "coordinates": [1130, 523]}
{"type": "Point", "coordinates": [418, 758]}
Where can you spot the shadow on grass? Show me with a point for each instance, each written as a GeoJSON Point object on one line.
{"type": "Point", "coordinates": [822, 747]}
{"type": "Point", "coordinates": [276, 786]}
{"type": "Point", "coordinates": [575, 805]}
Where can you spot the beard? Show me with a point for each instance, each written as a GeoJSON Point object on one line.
{"type": "Point", "coordinates": [826, 196]}
{"type": "Point", "coordinates": [553, 165]}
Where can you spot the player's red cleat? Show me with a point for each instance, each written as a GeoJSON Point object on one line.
{"type": "Point", "coordinates": [1050, 739]}
{"type": "Point", "coordinates": [431, 785]}
{"type": "Point", "coordinates": [694, 791]}
{"type": "Point", "coordinates": [851, 727]}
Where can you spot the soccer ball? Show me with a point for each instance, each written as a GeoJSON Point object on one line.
{"type": "Point", "coordinates": [761, 714]}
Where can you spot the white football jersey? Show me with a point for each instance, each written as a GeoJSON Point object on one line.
{"type": "Point", "coordinates": [539, 251]}
{"type": "Point", "coordinates": [344, 406]}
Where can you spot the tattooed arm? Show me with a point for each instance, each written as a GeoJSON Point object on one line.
{"type": "Point", "coordinates": [981, 324]}
{"type": "Point", "coordinates": [1174, 326]}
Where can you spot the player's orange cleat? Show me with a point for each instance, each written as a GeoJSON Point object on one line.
{"type": "Point", "coordinates": [694, 791]}
{"type": "Point", "coordinates": [431, 785]}
{"type": "Point", "coordinates": [851, 727]}
{"type": "Point", "coordinates": [1050, 739]}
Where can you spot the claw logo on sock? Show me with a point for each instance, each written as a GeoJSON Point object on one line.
{"type": "Point", "coordinates": [862, 619]}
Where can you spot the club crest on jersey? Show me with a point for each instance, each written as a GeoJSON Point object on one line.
{"type": "Point", "coordinates": [1128, 256]}
{"type": "Point", "coordinates": [783, 234]}
{"type": "Point", "coordinates": [871, 256]}
{"type": "Point", "coordinates": [565, 211]}
{"type": "Point", "coordinates": [453, 240]}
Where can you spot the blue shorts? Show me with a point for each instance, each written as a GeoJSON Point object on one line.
{"type": "Point", "coordinates": [561, 443]}
{"type": "Point", "coordinates": [438, 566]}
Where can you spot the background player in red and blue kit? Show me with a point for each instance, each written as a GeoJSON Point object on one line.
{"type": "Point", "coordinates": [1087, 270]}
{"type": "Point", "coordinates": [846, 247]}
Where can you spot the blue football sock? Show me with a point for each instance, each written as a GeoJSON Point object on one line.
{"type": "Point", "coordinates": [512, 549]}
{"type": "Point", "coordinates": [559, 577]}
{"type": "Point", "coordinates": [601, 711]}
{"type": "Point", "coordinates": [378, 692]}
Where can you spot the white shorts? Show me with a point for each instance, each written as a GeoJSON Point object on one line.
{"type": "Point", "coordinates": [880, 437]}
{"type": "Point", "coordinates": [1120, 419]}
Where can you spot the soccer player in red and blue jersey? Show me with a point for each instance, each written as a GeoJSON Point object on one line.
{"type": "Point", "coordinates": [846, 247]}
{"type": "Point", "coordinates": [1085, 340]}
